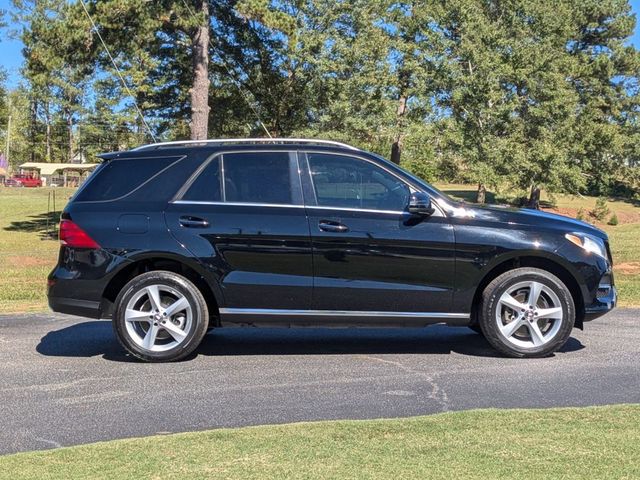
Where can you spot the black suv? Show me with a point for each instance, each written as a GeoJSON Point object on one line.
{"type": "Point", "coordinates": [172, 239]}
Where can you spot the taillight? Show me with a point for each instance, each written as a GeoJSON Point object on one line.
{"type": "Point", "coordinates": [72, 235]}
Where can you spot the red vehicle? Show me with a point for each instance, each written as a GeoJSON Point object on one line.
{"type": "Point", "coordinates": [26, 181]}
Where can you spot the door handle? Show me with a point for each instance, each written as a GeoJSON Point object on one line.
{"type": "Point", "coordinates": [193, 222]}
{"type": "Point", "coordinates": [329, 226]}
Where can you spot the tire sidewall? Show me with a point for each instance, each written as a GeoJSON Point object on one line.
{"type": "Point", "coordinates": [491, 303]}
{"type": "Point", "coordinates": [182, 285]}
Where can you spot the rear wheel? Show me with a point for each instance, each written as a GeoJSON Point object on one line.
{"type": "Point", "coordinates": [527, 312]}
{"type": "Point", "coordinates": [160, 317]}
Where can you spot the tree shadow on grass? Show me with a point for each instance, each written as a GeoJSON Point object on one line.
{"type": "Point", "coordinates": [94, 338]}
{"type": "Point", "coordinates": [470, 196]}
{"type": "Point", "coordinates": [43, 224]}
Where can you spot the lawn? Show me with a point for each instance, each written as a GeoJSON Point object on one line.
{"type": "Point", "coordinates": [593, 442]}
{"type": "Point", "coordinates": [28, 254]}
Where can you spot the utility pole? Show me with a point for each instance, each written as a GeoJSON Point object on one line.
{"type": "Point", "coordinates": [8, 136]}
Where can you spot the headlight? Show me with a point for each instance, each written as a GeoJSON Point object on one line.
{"type": "Point", "coordinates": [588, 243]}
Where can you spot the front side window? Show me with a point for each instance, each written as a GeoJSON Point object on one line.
{"type": "Point", "coordinates": [346, 182]}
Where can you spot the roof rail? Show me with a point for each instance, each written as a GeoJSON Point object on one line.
{"type": "Point", "coordinates": [222, 141]}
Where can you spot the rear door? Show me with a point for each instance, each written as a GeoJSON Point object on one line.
{"type": "Point", "coordinates": [369, 253]}
{"type": "Point", "coordinates": [243, 217]}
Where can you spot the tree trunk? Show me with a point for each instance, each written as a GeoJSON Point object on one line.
{"type": "Point", "coordinates": [70, 132]}
{"type": "Point", "coordinates": [396, 147]}
{"type": "Point", "coordinates": [32, 129]}
{"type": "Point", "coordinates": [48, 134]}
{"type": "Point", "coordinates": [396, 151]}
{"type": "Point", "coordinates": [200, 90]}
{"type": "Point", "coordinates": [534, 198]}
{"type": "Point", "coordinates": [481, 194]}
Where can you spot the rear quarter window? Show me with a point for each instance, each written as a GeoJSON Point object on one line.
{"type": "Point", "coordinates": [119, 177]}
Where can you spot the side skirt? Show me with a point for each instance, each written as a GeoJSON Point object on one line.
{"type": "Point", "coordinates": [336, 318]}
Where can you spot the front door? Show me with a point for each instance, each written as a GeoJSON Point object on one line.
{"type": "Point", "coordinates": [369, 253]}
{"type": "Point", "coordinates": [243, 217]}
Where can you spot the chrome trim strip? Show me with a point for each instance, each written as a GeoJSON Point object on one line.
{"type": "Point", "coordinates": [282, 205]}
{"type": "Point", "coordinates": [337, 313]}
{"type": "Point", "coordinates": [219, 141]}
{"type": "Point", "coordinates": [347, 209]}
{"type": "Point", "coordinates": [236, 204]}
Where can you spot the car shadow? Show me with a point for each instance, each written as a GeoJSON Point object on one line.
{"type": "Point", "coordinates": [92, 338]}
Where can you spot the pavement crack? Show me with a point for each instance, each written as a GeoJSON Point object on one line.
{"type": "Point", "coordinates": [53, 443]}
{"type": "Point", "coordinates": [437, 394]}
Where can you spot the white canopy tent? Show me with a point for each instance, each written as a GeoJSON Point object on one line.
{"type": "Point", "coordinates": [60, 174]}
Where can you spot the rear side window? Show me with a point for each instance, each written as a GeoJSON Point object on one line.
{"type": "Point", "coordinates": [206, 187]}
{"type": "Point", "coordinates": [118, 178]}
{"type": "Point", "coordinates": [260, 177]}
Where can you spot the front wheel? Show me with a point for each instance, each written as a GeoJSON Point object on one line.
{"type": "Point", "coordinates": [527, 312]}
{"type": "Point", "coordinates": [160, 317]}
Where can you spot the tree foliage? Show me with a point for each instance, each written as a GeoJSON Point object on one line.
{"type": "Point", "coordinates": [515, 93]}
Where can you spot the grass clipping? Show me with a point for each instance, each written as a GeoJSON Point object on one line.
{"type": "Point", "coordinates": [593, 442]}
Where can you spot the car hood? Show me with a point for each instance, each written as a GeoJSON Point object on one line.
{"type": "Point", "coordinates": [525, 216]}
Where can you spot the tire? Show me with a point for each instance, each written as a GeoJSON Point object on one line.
{"type": "Point", "coordinates": [519, 328]}
{"type": "Point", "coordinates": [145, 332]}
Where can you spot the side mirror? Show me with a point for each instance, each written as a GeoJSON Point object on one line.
{"type": "Point", "coordinates": [420, 204]}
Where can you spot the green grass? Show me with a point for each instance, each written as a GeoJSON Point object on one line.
{"type": "Point", "coordinates": [27, 256]}
{"type": "Point", "coordinates": [572, 202]}
{"type": "Point", "coordinates": [625, 246]}
{"type": "Point", "coordinates": [594, 442]}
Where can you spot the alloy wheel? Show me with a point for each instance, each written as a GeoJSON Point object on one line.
{"type": "Point", "coordinates": [158, 318]}
{"type": "Point", "coordinates": [529, 314]}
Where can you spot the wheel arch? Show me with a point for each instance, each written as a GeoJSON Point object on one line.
{"type": "Point", "coordinates": [161, 261]}
{"type": "Point", "coordinates": [549, 264]}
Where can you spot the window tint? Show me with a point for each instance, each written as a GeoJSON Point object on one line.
{"type": "Point", "coordinates": [347, 182]}
{"type": "Point", "coordinates": [260, 177]}
{"type": "Point", "coordinates": [120, 177]}
{"type": "Point", "coordinates": [206, 188]}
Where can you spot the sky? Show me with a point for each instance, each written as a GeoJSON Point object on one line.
{"type": "Point", "coordinates": [11, 56]}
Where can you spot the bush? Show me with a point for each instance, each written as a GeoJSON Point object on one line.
{"type": "Point", "coordinates": [613, 220]}
{"type": "Point", "coordinates": [581, 214]}
{"type": "Point", "coordinates": [601, 210]}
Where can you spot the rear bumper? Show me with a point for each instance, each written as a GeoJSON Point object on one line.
{"type": "Point", "coordinates": [77, 283]}
{"type": "Point", "coordinates": [73, 306]}
{"type": "Point", "coordinates": [66, 293]}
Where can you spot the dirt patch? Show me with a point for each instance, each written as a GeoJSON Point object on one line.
{"type": "Point", "coordinates": [24, 261]}
{"type": "Point", "coordinates": [628, 268]}
{"type": "Point", "coordinates": [623, 217]}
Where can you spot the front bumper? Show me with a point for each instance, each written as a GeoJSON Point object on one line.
{"type": "Point", "coordinates": [605, 302]}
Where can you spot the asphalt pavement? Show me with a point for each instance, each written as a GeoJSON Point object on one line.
{"type": "Point", "coordinates": [66, 381]}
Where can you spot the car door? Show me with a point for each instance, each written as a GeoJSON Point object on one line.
{"type": "Point", "coordinates": [243, 217]}
{"type": "Point", "coordinates": [369, 253]}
